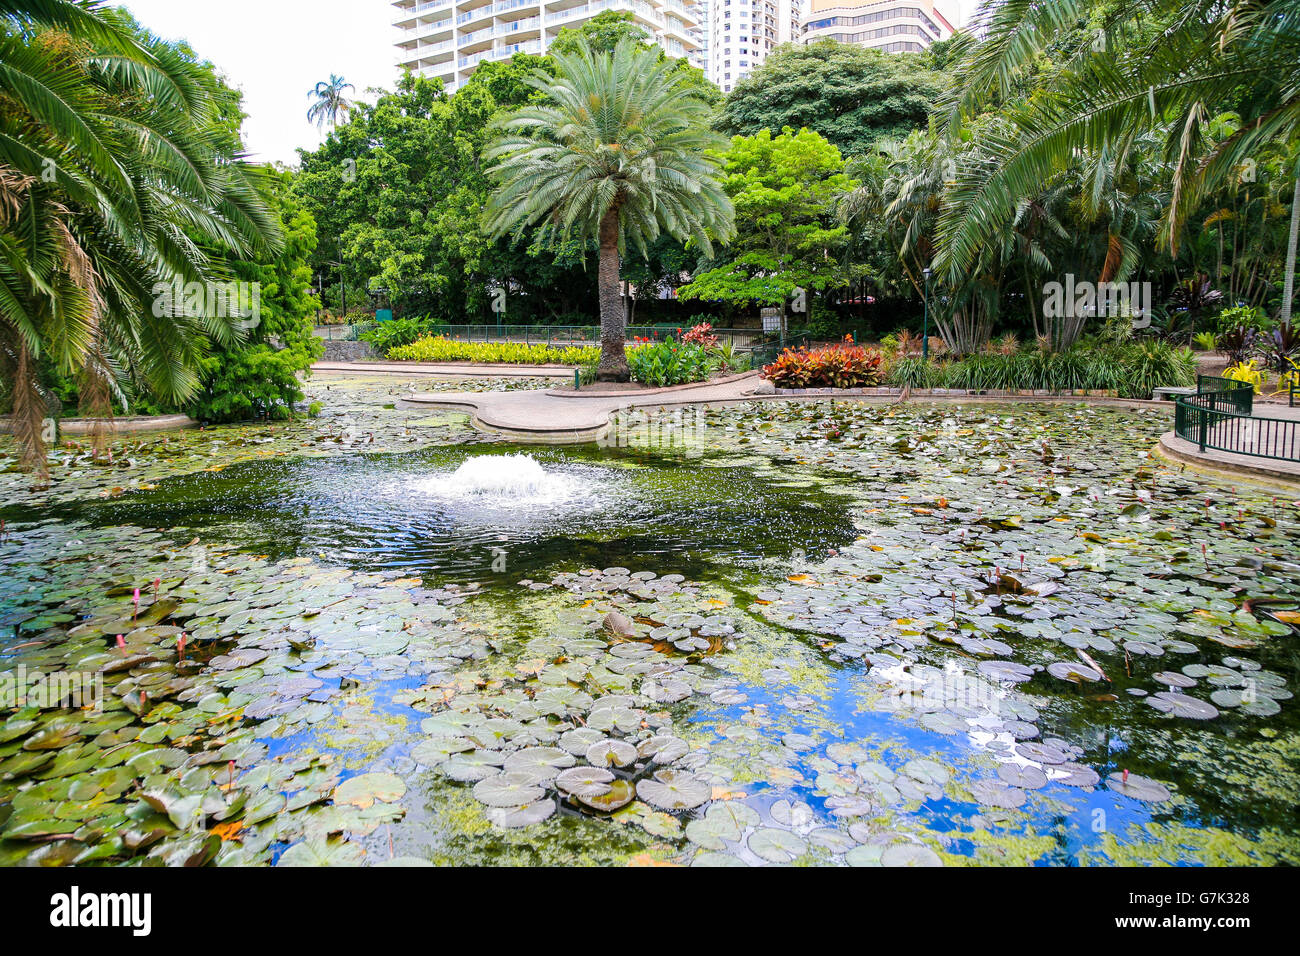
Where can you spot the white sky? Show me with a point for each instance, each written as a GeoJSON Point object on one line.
{"type": "Point", "coordinates": [277, 50]}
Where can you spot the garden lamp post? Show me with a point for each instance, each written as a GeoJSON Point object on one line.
{"type": "Point", "coordinates": [925, 327]}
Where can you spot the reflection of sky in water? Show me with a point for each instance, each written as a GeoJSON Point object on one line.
{"type": "Point", "coordinates": [843, 707]}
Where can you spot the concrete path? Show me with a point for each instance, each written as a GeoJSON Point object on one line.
{"type": "Point", "coordinates": [562, 416]}
{"type": "Point", "coordinates": [450, 369]}
{"type": "Point", "coordinates": [1270, 439]}
{"type": "Point", "coordinates": [553, 417]}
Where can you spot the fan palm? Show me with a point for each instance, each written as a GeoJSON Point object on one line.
{"type": "Point", "coordinates": [619, 152]}
{"type": "Point", "coordinates": [1164, 66]}
{"type": "Point", "coordinates": [116, 174]}
{"type": "Point", "coordinates": [330, 104]}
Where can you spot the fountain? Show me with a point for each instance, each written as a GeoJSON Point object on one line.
{"type": "Point", "coordinates": [518, 478]}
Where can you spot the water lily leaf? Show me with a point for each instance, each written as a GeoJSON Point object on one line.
{"type": "Point", "coordinates": [508, 790]}
{"type": "Point", "coordinates": [521, 816]}
{"type": "Point", "coordinates": [663, 749]}
{"type": "Point", "coordinates": [1139, 788]}
{"type": "Point", "coordinates": [611, 753]}
{"type": "Point", "coordinates": [621, 793]}
{"type": "Point", "coordinates": [674, 790]}
{"type": "Point", "coordinates": [909, 854]}
{"type": "Point", "coordinates": [363, 790]}
{"type": "Point", "coordinates": [1181, 705]}
{"type": "Point", "coordinates": [319, 851]}
{"type": "Point", "coordinates": [473, 766]}
{"type": "Point", "coordinates": [585, 781]}
{"type": "Point", "coordinates": [776, 846]}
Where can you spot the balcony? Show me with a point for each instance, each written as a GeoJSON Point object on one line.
{"type": "Point", "coordinates": [526, 25]}
{"type": "Point", "coordinates": [410, 16]}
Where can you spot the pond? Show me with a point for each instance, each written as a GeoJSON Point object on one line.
{"type": "Point", "coordinates": [770, 633]}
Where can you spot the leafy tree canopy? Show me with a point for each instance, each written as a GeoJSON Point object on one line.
{"type": "Point", "coordinates": [785, 190]}
{"type": "Point", "coordinates": [852, 96]}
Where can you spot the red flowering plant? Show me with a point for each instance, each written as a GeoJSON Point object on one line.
{"type": "Point", "coordinates": [701, 335]}
{"type": "Point", "coordinates": [845, 365]}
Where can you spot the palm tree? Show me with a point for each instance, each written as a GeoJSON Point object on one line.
{"type": "Point", "coordinates": [1163, 66]}
{"type": "Point", "coordinates": [116, 174]}
{"type": "Point", "coordinates": [1293, 236]}
{"type": "Point", "coordinates": [618, 152]}
{"type": "Point", "coordinates": [330, 103]}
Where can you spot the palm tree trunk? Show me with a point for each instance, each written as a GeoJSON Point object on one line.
{"type": "Point", "coordinates": [1288, 287]}
{"type": "Point", "coordinates": [613, 321]}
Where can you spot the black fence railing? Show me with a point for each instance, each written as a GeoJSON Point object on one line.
{"type": "Point", "coordinates": [746, 340]}
{"type": "Point", "coordinates": [1219, 417]}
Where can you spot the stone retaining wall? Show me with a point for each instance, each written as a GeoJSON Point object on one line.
{"type": "Point", "coordinates": [337, 351]}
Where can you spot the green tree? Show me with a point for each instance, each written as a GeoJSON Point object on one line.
{"type": "Point", "coordinates": [786, 190]}
{"type": "Point", "coordinates": [117, 172]}
{"type": "Point", "coordinates": [602, 33]}
{"type": "Point", "coordinates": [616, 152]}
{"type": "Point", "coordinates": [853, 96]}
{"type": "Point", "coordinates": [259, 376]}
{"type": "Point", "coordinates": [328, 101]}
{"type": "Point", "coordinates": [1164, 66]}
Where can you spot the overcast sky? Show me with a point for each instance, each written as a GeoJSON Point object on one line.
{"type": "Point", "coordinates": [277, 50]}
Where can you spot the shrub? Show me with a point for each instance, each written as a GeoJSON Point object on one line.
{"type": "Point", "coordinates": [1237, 342]}
{"type": "Point", "coordinates": [1131, 370]}
{"type": "Point", "coordinates": [1248, 373]}
{"type": "Point", "coordinates": [1205, 341]}
{"type": "Point", "coordinates": [438, 349]}
{"type": "Point", "coordinates": [1242, 316]}
{"type": "Point", "coordinates": [1147, 366]}
{"type": "Point", "coordinates": [389, 335]}
{"type": "Point", "coordinates": [701, 335]}
{"type": "Point", "coordinates": [913, 372]}
{"type": "Point", "coordinates": [659, 364]}
{"type": "Point", "coordinates": [836, 366]}
{"type": "Point", "coordinates": [1279, 345]}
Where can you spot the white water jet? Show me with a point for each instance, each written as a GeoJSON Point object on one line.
{"type": "Point", "coordinates": [516, 478]}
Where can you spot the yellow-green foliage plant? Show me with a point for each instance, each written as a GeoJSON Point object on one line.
{"type": "Point", "coordinates": [1248, 373]}
{"type": "Point", "coordinates": [439, 349]}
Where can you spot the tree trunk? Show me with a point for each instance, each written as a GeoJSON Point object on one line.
{"type": "Point", "coordinates": [613, 322]}
{"type": "Point", "coordinates": [1288, 287]}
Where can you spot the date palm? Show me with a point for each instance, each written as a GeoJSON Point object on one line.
{"type": "Point", "coordinates": [618, 151]}
{"type": "Point", "coordinates": [330, 104]}
{"type": "Point", "coordinates": [117, 172]}
{"type": "Point", "coordinates": [1160, 66]}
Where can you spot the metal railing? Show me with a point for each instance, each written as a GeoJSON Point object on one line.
{"type": "Point", "coordinates": [752, 340]}
{"type": "Point", "coordinates": [1219, 417]}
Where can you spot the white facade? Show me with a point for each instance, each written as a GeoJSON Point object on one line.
{"type": "Point", "coordinates": [741, 33]}
{"type": "Point", "coordinates": [896, 26]}
{"type": "Point", "coordinates": [449, 38]}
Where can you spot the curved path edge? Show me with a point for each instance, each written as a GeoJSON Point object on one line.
{"type": "Point", "coordinates": [137, 423]}
{"type": "Point", "coordinates": [541, 416]}
{"type": "Point", "coordinates": [1223, 463]}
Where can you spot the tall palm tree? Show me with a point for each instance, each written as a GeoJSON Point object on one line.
{"type": "Point", "coordinates": [330, 104]}
{"type": "Point", "coordinates": [619, 151]}
{"type": "Point", "coordinates": [116, 174]}
{"type": "Point", "coordinates": [1163, 66]}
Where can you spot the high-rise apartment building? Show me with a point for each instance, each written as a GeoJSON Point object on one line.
{"type": "Point", "coordinates": [741, 33]}
{"type": "Point", "coordinates": [449, 38]}
{"type": "Point", "coordinates": [897, 26]}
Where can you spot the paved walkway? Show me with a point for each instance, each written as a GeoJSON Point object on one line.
{"type": "Point", "coordinates": [562, 416]}
{"type": "Point", "coordinates": [558, 418]}
{"type": "Point", "coordinates": [1268, 438]}
{"type": "Point", "coordinates": [450, 369]}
